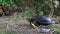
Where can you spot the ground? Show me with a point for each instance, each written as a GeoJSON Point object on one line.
{"type": "Point", "coordinates": [19, 25]}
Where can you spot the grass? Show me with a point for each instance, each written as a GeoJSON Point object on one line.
{"type": "Point", "coordinates": [7, 32]}
{"type": "Point", "coordinates": [58, 28]}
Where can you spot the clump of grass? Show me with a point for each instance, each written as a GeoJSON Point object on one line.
{"type": "Point", "coordinates": [7, 32]}
{"type": "Point", "coordinates": [58, 28]}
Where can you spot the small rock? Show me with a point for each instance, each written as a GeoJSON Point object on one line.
{"type": "Point", "coordinates": [45, 30]}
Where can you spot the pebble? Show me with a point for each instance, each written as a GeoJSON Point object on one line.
{"type": "Point", "coordinates": [45, 30]}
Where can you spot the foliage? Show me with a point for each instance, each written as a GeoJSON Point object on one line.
{"type": "Point", "coordinates": [18, 2]}
{"type": "Point", "coordinates": [6, 2]}
{"type": "Point", "coordinates": [40, 5]}
{"type": "Point", "coordinates": [27, 13]}
{"type": "Point", "coordinates": [36, 4]}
